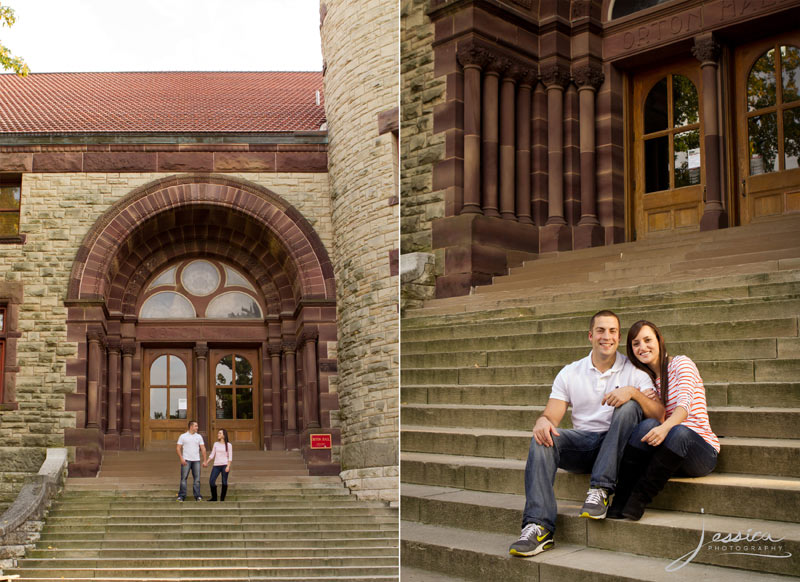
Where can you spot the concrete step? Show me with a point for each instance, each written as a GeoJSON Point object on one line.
{"type": "Point", "coordinates": [674, 315]}
{"type": "Point", "coordinates": [660, 534]}
{"type": "Point", "coordinates": [483, 556]}
{"type": "Point", "coordinates": [95, 517]}
{"type": "Point", "coordinates": [745, 496]}
{"type": "Point", "coordinates": [779, 457]}
{"type": "Point", "coordinates": [783, 328]}
{"type": "Point", "coordinates": [735, 421]}
{"type": "Point", "coordinates": [190, 572]}
{"type": "Point", "coordinates": [738, 371]}
{"type": "Point", "coordinates": [148, 538]}
{"type": "Point", "coordinates": [274, 523]}
{"type": "Point", "coordinates": [193, 551]}
{"type": "Point", "coordinates": [772, 394]}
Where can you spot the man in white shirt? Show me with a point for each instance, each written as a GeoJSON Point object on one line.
{"type": "Point", "coordinates": [609, 397]}
{"type": "Point", "coordinates": [190, 445]}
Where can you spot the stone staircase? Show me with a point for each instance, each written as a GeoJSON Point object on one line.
{"type": "Point", "coordinates": [277, 523]}
{"type": "Point", "coordinates": [477, 372]}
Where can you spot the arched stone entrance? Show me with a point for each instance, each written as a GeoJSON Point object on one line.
{"type": "Point", "coordinates": [227, 222]}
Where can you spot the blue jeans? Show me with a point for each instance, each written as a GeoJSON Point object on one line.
{"type": "Point", "coordinates": [577, 451]}
{"type": "Point", "coordinates": [215, 471]}
{"type": "Point", "coordinates": [699, 457]}
{"type": "Point", "coordinates": [194, 466]}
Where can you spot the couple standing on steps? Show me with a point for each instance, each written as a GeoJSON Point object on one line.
{"type": "Point", "coordinates": [637, 421]}
{"type": "Point", "coordinates": [190, 445]}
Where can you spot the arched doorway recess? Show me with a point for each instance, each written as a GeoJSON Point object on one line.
{"type": "Point", "coordinates": [238, 228]}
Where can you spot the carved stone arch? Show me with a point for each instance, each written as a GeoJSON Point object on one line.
{"type": "Point", "coordinates": [294, 236]}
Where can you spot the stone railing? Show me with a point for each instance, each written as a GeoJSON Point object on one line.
{"type": "Point", "coordinates": [417, 279]}
{"type": "Point", "coordinates": [23, 520]}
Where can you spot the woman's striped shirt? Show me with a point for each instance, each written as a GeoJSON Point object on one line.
{"type": "Point", "coordinates": [686, 389]}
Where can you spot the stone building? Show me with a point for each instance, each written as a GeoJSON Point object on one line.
{"type": "Point", "coordinates": [536, 126]}
{"type": "Point", "coordinates": [172, 249]}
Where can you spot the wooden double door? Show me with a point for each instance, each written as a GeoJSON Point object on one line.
{"type": "Point", "coordinates": [170, 395]}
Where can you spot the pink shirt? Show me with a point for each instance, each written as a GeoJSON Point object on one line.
{"type": "Point", "coordinates": [220, 455]}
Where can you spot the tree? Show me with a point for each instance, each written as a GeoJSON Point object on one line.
{"type": "Point", "coordinates": [7, 60]}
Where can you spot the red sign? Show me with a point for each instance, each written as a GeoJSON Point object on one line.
{"type": "Point", "coordinates": [320, 441]}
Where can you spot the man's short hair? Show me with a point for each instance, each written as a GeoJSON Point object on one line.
{"type": "Point", "coordinates": [603, 313]}
{"type": "Point", "coordinates": [191, 422]}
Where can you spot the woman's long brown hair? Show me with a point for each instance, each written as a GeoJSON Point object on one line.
{"type": "Point", "coordinates": [663, 357]}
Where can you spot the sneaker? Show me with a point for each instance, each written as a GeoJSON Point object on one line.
{"type": "Point", "coordinates": [180, 499]}
{"type": "Point", "coordinates": [198, 498]}
{"type": "Point", "coordinates": [596, 504]}
{"type": "Point", "coordinates": [533, 540]}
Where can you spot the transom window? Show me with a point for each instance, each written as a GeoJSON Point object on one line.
{"type": "Point", "coordinates": [200, 289]}
{"type": "Point", "coordinates": [671, 135]}
{"type": "Point", "coordinates": [773, 111]}
{"type": "Point", "coordinates": [625, 7]}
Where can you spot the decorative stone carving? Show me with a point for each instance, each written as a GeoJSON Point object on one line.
{"type": "Point", "coordinates": [309, 335]}
{"type": "Point", "coordinates": [580, 9]}
{"type": "Point", "coordinates": [275, 348]}
{"type": "Point", "coordinates": [471, 53]}
{"type": "Point", "coordinates": [588, 75]}
{"type": "Point", "coordinates": [113, 345]}
{"type": "Point", "coordinates": [706, 49]}
{"type": "Point", "coordinates": [288, 346]}
{"type": "Point", "coordinates": [128, 348]}
{"type": "Point", "coordinates": [201, 351]}
{"type": "Point", "coordinates": [498, 65]}
{"type": "Point", "coordinates": [95, 335]}
{"type": "Point", "coordinates": [554, 74]}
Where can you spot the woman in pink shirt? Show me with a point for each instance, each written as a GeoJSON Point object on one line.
{"type": "Point", "coordinates": [222, 453]}
{"type": "Point", "coordinates": [681, 443]}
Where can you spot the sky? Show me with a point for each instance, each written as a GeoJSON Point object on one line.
{"type": "Point", "coordinates": [165, 35]}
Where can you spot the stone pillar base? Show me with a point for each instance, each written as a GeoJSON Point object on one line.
{"type": "Point", "coordinates": [588, 235]}
{"type": "Point", "coordinates": [556, 237]}
{"type": "Point", "coordinates": [713, 219]}
{"type": "Point", "coordinates": [88, 443]}
{"type": "Point", "coordinates": [276, 442]}
{"type": "Point", "coordinates": [477, 248]}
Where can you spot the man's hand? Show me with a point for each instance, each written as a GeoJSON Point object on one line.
{"type": "Point", "coordinates": [619, 396]}
{"type": "Point", "coordinates": [542, 430]}
{"type": "Point", "coordinates": [183, 461]}
{"type": "Point", "coordinates": [651, 394]}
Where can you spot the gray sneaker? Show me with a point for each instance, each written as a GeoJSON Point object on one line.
{"type": "Point", "coordinates": [533, 540]}
{"type": "Point", "coordinates": [596, 504]}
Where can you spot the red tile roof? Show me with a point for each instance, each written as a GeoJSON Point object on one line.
{"type": "Point", "coordinates": [160, 102]}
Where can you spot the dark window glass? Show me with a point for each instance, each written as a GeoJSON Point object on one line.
{"type": "Point", "coordinates": [655, 108]}
{"type": "Point", "coordinates": [761, 82]}
{"type": "Point", "coordinates": [244, 403]}
{"type": "Point", "coordinates": [791, 138]}
{"type": "Point", "coordinates": [244, 372]}
{"type": "Point", "coordinates": [224, 398]}
{"type": "Point", "coordinates": [685, 109]}
{"type": "Point", "coordinates": [790, 73]}
{"type": "Point", "coordinates": [762, 132]}
{"type": "Point", "coordinates": [686, 152]}
{"type": "Point", "coordinates": [10, 188]}
{"type": "Point", "coordinates": [625, 7]}
{"type": "Point", "coordinates": [656, 161]}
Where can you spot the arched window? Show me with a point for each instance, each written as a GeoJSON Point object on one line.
{"type": "Point", "coordinates": [773, 111]}
{"type": "Point", "coordinates": [200, 289]}
{"type": "Point", "coordinates": [624, 7]}
{"type": "Point", "coordinates": [671, 135]}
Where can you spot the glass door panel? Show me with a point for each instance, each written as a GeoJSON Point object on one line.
{"type": "Point", "coordinates": [234, 377]}
{"type": "Point", "coordinates": [166, 398]}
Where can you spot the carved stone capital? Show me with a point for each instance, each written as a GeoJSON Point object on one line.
{"type": "Point", "coordinates": [95, 335]}
{"type": "Point", "coordinates": [113, 345]}
{"type": "Point", "coordinates": [473, 54]}
{"type": "Point", "coordinates": [554, 75]}
{"type": "Point", "coordinates": [201, 351]}
{"type": "Point", "coordinates": [275, 348]}
{"type": "Point", "coordinates": [521, 73]}
{"type": "Point", "coordinates": [128, 348]}
{"type": "Point", "coordinates": [288, 346]}
{"type": "Point", "coordinates": [498, 65]}
{"type": "Point", "coordinates": [706, 49]}
{"type": "Point", "coordinates": [588, 75]}
{"type": "Point", "coordinates": [309, 335]}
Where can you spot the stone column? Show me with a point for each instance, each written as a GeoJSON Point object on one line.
{"type": "Point", "coordinates": [490, 121]}
{"type": "Point", "coordinates": [472, 58]}
{"type": "Point", "coordinates": [128, 349]}
{"type": "Point", "coordinates": [707, 50]}
{"type": "Point", "coordinates": [310, 372]}
{"type": "Point", "coordinates": [556, 235]}
{"type": "Point", "coordinates": [588, 77]}
{"type": "Point", "coordinates": [277, 409]}
{"type": "Point", "coordinates": [93, 379]}
{"type": "Point", "coordinates": [113, 384]}
{"type": "Point", "coordinates": [291, 387]}
{"type": "Point", "coordinates": [507, 153]}
{"type": "Point", "coordinates": [523, 165]}
{"type": "Point", "coordinates": [201, 381]}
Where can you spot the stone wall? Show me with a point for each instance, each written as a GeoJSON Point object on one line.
{"type": "Point", "coordinates": [420, 149]}
{"type": "Point", "coordinates": [359, 41]}
{"type": "Point", "coordinates": [57, 210]}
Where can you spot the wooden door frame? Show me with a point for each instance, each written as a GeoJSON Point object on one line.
{"type": "Point", "coordinates": [636, 82]}
{"type": "Point", "coordinates": [743, 58]}
{"type": "Point", "coordinates": [214, 354]}
{"type": "Point", "coordinates": [149, 355]}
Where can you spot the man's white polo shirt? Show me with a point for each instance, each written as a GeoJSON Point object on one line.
{"type": "Point", "coordinates": [583, 386]}
{"type": "Point", "coordinates": [191, 445]}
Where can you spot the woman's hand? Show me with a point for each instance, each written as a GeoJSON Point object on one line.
{"type": "Point", "coordinates": [228, 469]}
{"type": "Point", "coordinates": [205, 464]}
{"type": "Point", "coordinates": [656, 435]}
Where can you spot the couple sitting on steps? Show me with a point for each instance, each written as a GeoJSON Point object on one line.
{"type": "Point", "coordinates": [637, 421]}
